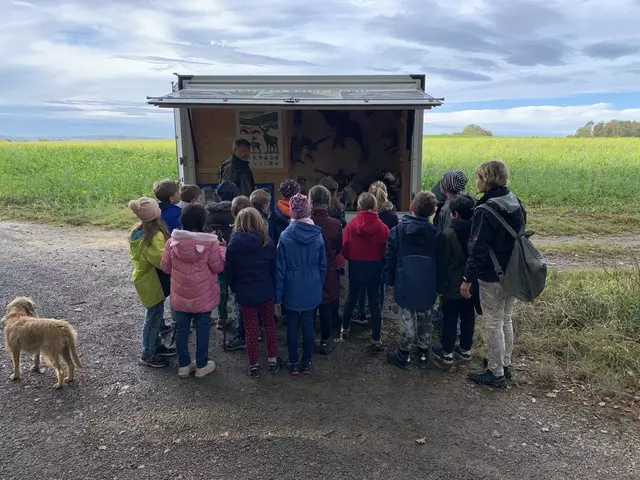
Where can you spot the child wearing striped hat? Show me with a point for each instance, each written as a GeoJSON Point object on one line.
{"type": "Point", "coordinates": [453, 182]}
{"type": "Point", "coordinates": [300, 270]}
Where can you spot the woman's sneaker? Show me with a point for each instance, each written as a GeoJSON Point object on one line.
{"type": "Point", "coordinates": [508, 374]}
{"type": "Point", "coordinates": [254, 371]}
{"type": "Point", "coordinates": [210, 367]}
{"type": "Point", "coordinates": [166, 351]}
{"type": "Point", "coordinates": [462, 354]}
{"type": "Point", "coordinates": [274, 366]}
{"type": "Point", "coordinates": [488, 378]}
{"type": "Point", "coordinates": [293, 369]}
{"type": "Point", "coordinates": [442, 357]}
{"type": "Point", "coordinates": [235, 344]}
{"type": "Point", "coordinates": [154, 361]}
{"type": "Point", "coordinates": [306, 368]}
{"type": "Point", "coordinates": [184, 372]}
{"type": "Point", "coordinates": [377, 347]}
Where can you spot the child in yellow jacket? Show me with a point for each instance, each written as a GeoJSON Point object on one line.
{"type": "Point", "coordinates": [146, 246]}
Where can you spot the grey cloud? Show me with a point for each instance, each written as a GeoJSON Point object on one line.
{"type": "Point", "coordinates": [530, 53]}
{"type": "Point", "coordinates": [483, 63]}
{"type": "Point", "coordinates": [612, 50]}
{"type": "Point", "coordinates": [459, 75]}
{"type": "Point", "coordinates": [544, 79]}
{"type": "Point", "coordinates": [523, 17]}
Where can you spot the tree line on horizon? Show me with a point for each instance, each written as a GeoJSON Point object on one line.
{"type": "Point", "coordinates": [613, 128]}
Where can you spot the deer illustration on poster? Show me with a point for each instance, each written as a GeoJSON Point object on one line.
{"type": "Point", "coordinates": [269, 140]}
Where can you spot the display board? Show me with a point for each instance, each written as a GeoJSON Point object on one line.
{"type": "Point", "coordinates": [263, 130]}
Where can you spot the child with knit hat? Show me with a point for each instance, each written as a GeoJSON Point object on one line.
{"type": "Point", "coordinates": [146, 245]}
{"type": "Point", "coordinates": [282, 212]}
{"type": "Point", "coordinates": [453, 182]}
{"type": "Point", "coordinates": [300, 270]}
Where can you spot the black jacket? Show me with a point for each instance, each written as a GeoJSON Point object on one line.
{"type": "Point", "coordinates": [236, 170]}
{"type": "Point", "coordinates": [486, 231]}
{"type": "Point", "coordinates": [219, 218]}
{"type": "Point", "coordinates": [279, 223]}
{"type": "Point", "coordinates": [411, 265]}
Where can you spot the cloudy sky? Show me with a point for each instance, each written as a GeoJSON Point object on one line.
{"type": "Point", "coordinates": [84, 67]}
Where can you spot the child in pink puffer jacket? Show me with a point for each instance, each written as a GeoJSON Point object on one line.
{"type": "Point", "coordinates": [193, 259]}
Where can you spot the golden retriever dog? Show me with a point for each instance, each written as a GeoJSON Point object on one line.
{"type": "Point", "coordinates": [24, 330]}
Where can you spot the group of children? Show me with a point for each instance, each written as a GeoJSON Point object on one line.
{"type": "Point", "coordinates": [293, 255]}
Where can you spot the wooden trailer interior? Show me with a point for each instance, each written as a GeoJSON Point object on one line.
{"type": "Point", "coordinates": [355, 146]}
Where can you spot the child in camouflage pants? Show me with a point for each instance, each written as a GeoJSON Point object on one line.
{"type": "Point", "coordinates": [411, 268]}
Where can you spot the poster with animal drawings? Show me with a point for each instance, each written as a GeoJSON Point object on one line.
{"type": "Point", "coordinates": [263, 130]}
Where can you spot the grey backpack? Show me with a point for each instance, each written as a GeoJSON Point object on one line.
{"type": "Point", "coordinates": [526, 273]}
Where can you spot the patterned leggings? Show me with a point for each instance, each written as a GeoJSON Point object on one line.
{"type": "Point", "coordinates": [250, 316]}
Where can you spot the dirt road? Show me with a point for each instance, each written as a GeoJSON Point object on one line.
{"type": "Point", "coordinates": [354, 418]}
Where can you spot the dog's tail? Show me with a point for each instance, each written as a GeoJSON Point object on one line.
{"type": "Point", "coordinates": [72, 344]}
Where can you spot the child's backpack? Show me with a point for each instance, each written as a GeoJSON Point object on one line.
{"type": "Point", "coordinates": [526, 273]}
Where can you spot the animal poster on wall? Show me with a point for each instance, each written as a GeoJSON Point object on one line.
{"type": "Point", "coordinates": [263, 130]}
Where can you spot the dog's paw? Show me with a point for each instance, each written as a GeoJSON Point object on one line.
{"type": "Point", "coordinates": [69, 380]}
{"type": "Point", "coordinates": [35, 369]}
{"type": "Point", "coordinates": [14, 377]}
{"type": "Point", "coordinates": [57, 386]}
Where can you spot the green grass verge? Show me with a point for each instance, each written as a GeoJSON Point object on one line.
{"type": "Point", "coordinates": [586, 326]}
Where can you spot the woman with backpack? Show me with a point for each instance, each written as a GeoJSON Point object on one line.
{"type": "Point", "coordinates": [489, 237]}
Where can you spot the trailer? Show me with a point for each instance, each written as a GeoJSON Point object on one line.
{"type": "Point", "coordinates": [358, 129]}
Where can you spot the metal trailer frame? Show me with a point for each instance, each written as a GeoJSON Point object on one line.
{"type": "Point", "coordinates": [368, 92]}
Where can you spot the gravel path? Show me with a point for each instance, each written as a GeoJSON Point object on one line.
{"type": "Point", "coordinates": [354, 418]}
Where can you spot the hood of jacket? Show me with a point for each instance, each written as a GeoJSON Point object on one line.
{"type": "Point", "coordinates": [188, 246]}
{"type": "Point", "coordinates": [366, 223]}
{"type": "Point", "coordinates": [386, 207]}
{"type": "Point", "coordinates": [219, 207]}
{"type": "Point", "coordinates": [304, 233]}
{"type": "Point", "coordinates": [245, 241]}
{"type": "Point", "coordinates": [136, 246]}
{"type": "Point", "coordinates": [502, 198]}
{"type": "Point", "coordinates": [284, 207]}
{"type": "Point", "coordinates": [418, 226]}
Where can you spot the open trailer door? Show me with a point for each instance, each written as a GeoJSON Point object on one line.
{"type": "Point", "coordinates": [307, 108]}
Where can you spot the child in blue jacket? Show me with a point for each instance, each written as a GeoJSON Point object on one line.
{"type": "Point", "coordinates": [300, 270]}
{"type": "Point", "coordinates": [168, 194]}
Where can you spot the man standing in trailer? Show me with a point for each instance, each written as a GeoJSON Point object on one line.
{"type": "Point", "coordinates": [236, 168]}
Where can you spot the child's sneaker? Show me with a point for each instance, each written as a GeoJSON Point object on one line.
{"type": "Point", "coordinates": [254, 371]}
{"type": "Point", "coordinates": [441, 357]}
{"type": "Point", "coordinates": [166, 351]}
{"type": "Point", "coordinates": [344, 334]}
{"type": "Point", "coordinates": [462, 354]}
{"type": "Point", "coordinates": [488, 378]}
{"type": "Point", "coordinates": [293, 369]}
{"type": "Point", "coordinates": [210, 367]}
{"type": "Point", "coordinates": [165, 329]}
{"type": "Point", "coordinates": [424, 358]}
{"type": "Point", "coordinates": [377, 347]}
{"type": "Point", "coordinates": [184, 372]}
{"type": "Point", "coordinates": [274, 366]}
{"type": "Point", "coordinates": [306, 368]}
{"type": "Point", "coordinates": [235, 344]}
{"type": "Point", "coordinates": [326, 347]}
{"type": "Point", "coordinates": [154, 361]}
{"type": "Point", "coordinates": [398, 358]}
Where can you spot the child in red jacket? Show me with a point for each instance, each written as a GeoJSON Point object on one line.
{"type": "Point", "coordinates": [364, 242]}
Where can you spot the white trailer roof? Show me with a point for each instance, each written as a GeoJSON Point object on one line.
{"type": "Point", "coordinates": [299, 92]}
